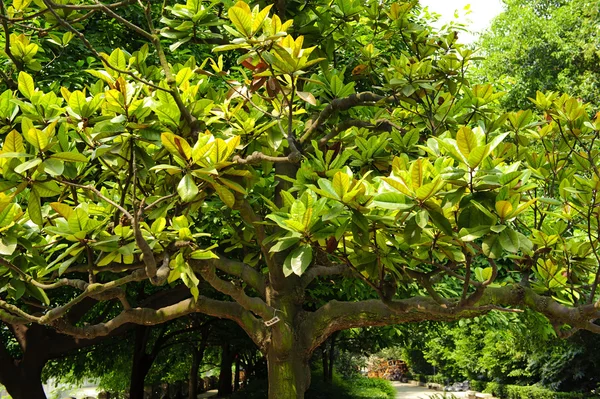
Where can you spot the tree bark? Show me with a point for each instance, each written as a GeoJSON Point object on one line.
{"type": "Point", "coordinates": [193, 382]}
{"type": "Point", "coordinates": [25, 381]}
{"type": "Point", "coordinates": [325, 361]}
{"type": "Point", "coordinates": [141, 363]}
{"type": "Point", "coordinates": [331, 356]}
{"type": "Point", "coordinates": [289, 375]}
{"type": "Point", "coordinates": [225, 376]}
{"type": "Point", "coordinates": [236, 380]}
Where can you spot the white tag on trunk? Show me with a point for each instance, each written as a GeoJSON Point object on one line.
{"type": "Point", "coordinates": [271, 322]}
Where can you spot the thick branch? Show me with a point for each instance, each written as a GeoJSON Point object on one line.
{"type": "Point", "coordinates": [245, 272]}
{"type": "Point", "coordinates": [343, 104]}
{"type": "Point", "coordinates": [145, 316]}
{"type": "Point", "coordinates": [253, 304]}
{"type": "Point", "coordinates": [323, 271]}
{"type": "Point", "coordinates": [336, 316]}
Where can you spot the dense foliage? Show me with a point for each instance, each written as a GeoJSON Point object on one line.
{"type": "Point", "coordinates": [543, 45]}
{"type": "Point", "coordinates": [288, 193]}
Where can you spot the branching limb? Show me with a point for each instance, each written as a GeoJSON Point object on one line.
{"type": "Point", "coordinates": [257, 157]}
{"type": "Point", "coordinates": [378, 125]}
{"type": "Point", "coordinates": [323, 271]}
{"type": "Point", "coordinates": [247, 273]}
{"type": "Point", "coordinates": [343, 104]}
{"type": "Point", "coordinates": [147, 316]}
{"type": "Point", "coordinates": [336, 315]}
{"type": "Point", "coordinates": [253, 304]}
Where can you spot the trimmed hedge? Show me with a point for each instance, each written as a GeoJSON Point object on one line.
{"type": "Point", "coordinates": [531, 392]}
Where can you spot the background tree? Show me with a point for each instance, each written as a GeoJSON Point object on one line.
{"type": "Point", "coordinates": [543, 45]}
{"type": "Point", "coordinates": [247, 173]}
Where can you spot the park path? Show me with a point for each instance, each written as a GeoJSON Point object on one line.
{"type": "Point", "coordinates": [408, 391]}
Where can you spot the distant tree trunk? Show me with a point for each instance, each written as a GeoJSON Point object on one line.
{"type": "Point", "coordinates": [141, 363]}
{"type": "Point", "coordinates": [197, 358]}
{"type": "Point", "coordinates": [225, 376]}
{"type": "Point", "coordinates": [193, 381]}
{"type": "Point", "coordinates": [236, 381]}
{"type": "Point", "coordinates": [325, 361]}
{"type": "Point", "coordinates": [332, 355]}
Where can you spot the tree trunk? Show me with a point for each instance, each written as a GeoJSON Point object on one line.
{"type": "Point", "coordinates": [289, 375]}
{"type": "Point", "coordinates": [25, 383]}
{"type": "Point", "coordinates": [225, 376]}
{"type": "Point", "coordinates": [325, 361]}
{"type": "Point", "coordinates": [141, 363]}
{"type": "Point", "coordinates": [331, 355]}
{"type": "Point", "coordinates": [193, 383]}
{"type": "Point", "coordinates": [236, 381]}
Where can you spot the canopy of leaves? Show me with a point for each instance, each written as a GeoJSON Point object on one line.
{"type": "Point", "coordinates": [543, 45]}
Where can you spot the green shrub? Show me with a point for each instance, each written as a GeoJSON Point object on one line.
{"type": "Point", "coordinates": [531, 392]}
{"type": "Point", "coordinates": [383, 386]}
{"type": "Point", "coordinates": [477, 385]}
{"type": "Point", "coordinates": [437, 379]}
{"type": "Point", "coordinates": [355, 388]}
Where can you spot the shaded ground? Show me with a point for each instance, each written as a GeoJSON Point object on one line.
{"type": "Point", "coordinates": [408, 391]}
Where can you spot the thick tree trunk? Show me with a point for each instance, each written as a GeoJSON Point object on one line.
{"type": "Point", "coordinates": [25, 382]}
{"type": "Point", "coordinates": [226, 376]}
{"type": "Point", "coordinates": [289, 375]}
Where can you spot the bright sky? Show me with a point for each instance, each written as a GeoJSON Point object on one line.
{"type": "Point", "coordinates": [482, 12]}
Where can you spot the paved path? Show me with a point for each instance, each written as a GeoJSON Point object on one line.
{"type": "Point", "coordinates": [408, 391]}
{"type": "Point", "coordinates": [208, 394]}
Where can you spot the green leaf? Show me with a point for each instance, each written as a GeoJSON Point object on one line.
{"type": "Point", "coordinates": [298, 261]}
{"type": "Point", "coordinates": [284, 243]}
{"type": "Point", "coordinates": [203, 254]}
{"type": "Point", "coordinates": [241, 17]}
{"type": "Point", "coordinates": [478, 155]}
{"type": "Point", "coordinates": [225, 194]}
{"type": "Point", "coordinates": [466, 141]}
{"type": "Point", "coordinates": [504, 209]}
{"type": "Point", "coordinates": [176, 145]}
{"type": "Point", "coordinates": [26, 85]}
{"type": "Point", "coordinates": [34, 208]}
{"type": "Point", "coordinates": [187, 188]}
{"type": "Point", "coordinates": [473, 233]}
{"type": "Point", "coordinates": [392, 201]}
{"type": "Point", "coordinates": [78, 220]}
{"type": "Point", "coordinates": [69, 157]}
{"type": "Point", "coordinates": [8, 245]}
{"type": "Point", "coordinates": [37, 138]}
{"type": "Point", "coordinates": [25, 166]}
{"type": "Point", "coordinates": [509, 240]}
{"type": "Point", "coordinates": [440, 221]}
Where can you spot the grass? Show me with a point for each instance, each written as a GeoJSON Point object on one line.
{"type": "Point", "coordinates": [355, 388]}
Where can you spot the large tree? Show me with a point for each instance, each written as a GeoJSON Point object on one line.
{"type": "Point", "coordinates": [247, 172]}
{"type": "Point", "coordinates": [543, 45]}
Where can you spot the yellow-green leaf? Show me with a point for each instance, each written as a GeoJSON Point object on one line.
{"type": "Point", "coordinates": [241, 16]}
{"type": "Point", "coordinates": [37, 138]}
{"type": "Point", "coordinates": [26, 85]}
{"type": "Point", "coordinates": [69, 157]}
{"type": "Point", "coordinates": [13, 142]}
{"type": "Point", "coordinates": [504, 208]}
{"type": "Point", "coordinates": [466, 140]}
{"type": "Point", "coordinates": [225, 194]}
{"type": "Point", "coordinates": [34, 208]}
{"type": "Point", "coordinates": [176, 145]}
